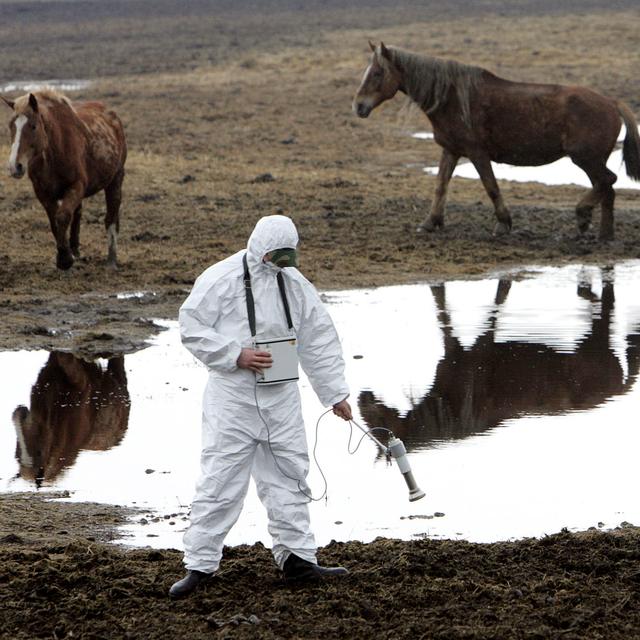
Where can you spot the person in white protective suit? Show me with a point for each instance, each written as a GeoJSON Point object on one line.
{"type": "Point", "coordinates": [250, 429]}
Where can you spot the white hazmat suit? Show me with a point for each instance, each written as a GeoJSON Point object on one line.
{"type": "Point", "coordinates": [236, 442]}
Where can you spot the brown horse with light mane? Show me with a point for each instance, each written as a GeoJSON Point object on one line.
{"type": "Point", "coordinates": [477, 115]}
{"type": "Point", "coordinates": [70, 152]}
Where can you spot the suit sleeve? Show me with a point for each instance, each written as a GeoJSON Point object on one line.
{"type": "Point", "coordinates": [198, 317]}
{"type": "Point", "coordinates": [320, 350]}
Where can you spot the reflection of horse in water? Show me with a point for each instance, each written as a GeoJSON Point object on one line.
{"type": "Point", "coordinates": [75, 405]}
{"type": "Point", "coordinates": [478, 388]}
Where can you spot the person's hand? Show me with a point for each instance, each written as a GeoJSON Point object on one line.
{"type": "Point", "coordinates": [254, 360]}
{"type": "Point", "coordinates": [343, 410]}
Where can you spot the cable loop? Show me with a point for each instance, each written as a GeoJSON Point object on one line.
{"type": "Point", "coordinates": [352, 423]}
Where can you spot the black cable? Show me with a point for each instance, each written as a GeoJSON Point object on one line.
{"type": "Point", "coordinates": [365, 434]}
{"type": "Point", "coordinates": [315, 446]}
{"type": "Point", "coordinates": [275, 459]}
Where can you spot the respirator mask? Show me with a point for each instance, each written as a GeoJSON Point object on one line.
{"type": "Point", "coordinates": [283, 258]}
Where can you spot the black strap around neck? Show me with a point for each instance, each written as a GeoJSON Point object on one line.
{"type": "Point", "coordinates": [251, 310]}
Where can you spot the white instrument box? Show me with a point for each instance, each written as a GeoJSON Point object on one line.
{"type": "Point", "coordinates": [284, 352]}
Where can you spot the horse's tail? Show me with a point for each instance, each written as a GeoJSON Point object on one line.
{"type": "Point", "coordinates": [631, 144]}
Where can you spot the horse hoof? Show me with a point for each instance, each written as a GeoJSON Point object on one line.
{"type": "Point", "coordinates": [583, 227]}
{"type": "Point", "coordinates": [429, 227]}
{"type": "Point", "coordinates": [501, 229]}
{"type": "Point", "coordinates": [64, 261]}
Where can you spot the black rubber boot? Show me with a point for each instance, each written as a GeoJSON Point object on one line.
{"type": "Point", "coordinates": [296, 569]}
{"type": "Point", "coordinates": [188, 584]}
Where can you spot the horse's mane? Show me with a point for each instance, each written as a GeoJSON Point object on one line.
{"type": "Point", "coordinates": [50, 96]}
{"type": "Point", "coordinates": [427, 80]}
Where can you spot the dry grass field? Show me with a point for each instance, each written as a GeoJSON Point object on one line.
{"type": "Point", "coordinates": [245, 110]}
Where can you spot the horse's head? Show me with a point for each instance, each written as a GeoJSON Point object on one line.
{"type": "Point", "coordinates": [27, 133]}
{"type": "Point", "coordinates": [29, 452]}
{"type": "Point", "coordinates": [381, 81]}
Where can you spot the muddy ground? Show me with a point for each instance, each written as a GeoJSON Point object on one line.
{"type": "Point", "coordinates": [234, 110]}
{"type": "Point", "coordinates": [57, 580]}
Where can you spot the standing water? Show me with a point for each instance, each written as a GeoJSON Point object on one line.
{"type": "Point", "coordinates": [39, 85]}
{"type": "Point", "coordinates": [516, 397]}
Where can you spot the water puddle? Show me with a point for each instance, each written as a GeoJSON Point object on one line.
{"type": "Point", "coordinates": [516, 398]}
{"type": "Point", "coordinates": [561, 172]}
{"type": "Point", "coordinates": [140, 295]}
{"type": "Point", "coordinates": [39, 85]}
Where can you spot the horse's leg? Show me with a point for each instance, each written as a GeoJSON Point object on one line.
{"type": "Point", "coordinates": [482, 163]}
{"type": "Point", "coordinates": [504, 286]}
{"type": "Point", "coordinates": [66, 207]}
{"type": "Point", "coordinates": [74, 235]}
{"type": "Point", "coordinates": [51, 207]}
{"type": "Point", "coordinates": [606, 208]}
{"type": "Point", "coordinates": [451, 343]}
{"type": "Point", "coordinates": [602, 192]}
{"type": "Point", "coordinates": [435, 218]}
{"type": "Point", "coordinates": [113, 197]}
{"type": "Point", "coordinates": [584, 209]}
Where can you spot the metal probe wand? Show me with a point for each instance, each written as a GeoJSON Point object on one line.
{"type": "Point", "coordinates": [396, 449]}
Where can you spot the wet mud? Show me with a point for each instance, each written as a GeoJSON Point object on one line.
{"type": "Point", "coordinates": [65, 583]}
{"type": "Point", "coordinates": [235, 111]}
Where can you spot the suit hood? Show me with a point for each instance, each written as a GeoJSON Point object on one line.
{"type": "Point", "coordinates": [271, 233]}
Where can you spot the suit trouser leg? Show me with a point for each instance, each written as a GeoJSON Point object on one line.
{"type": "Point", "coordinates": [279, 471]}
{"type": "Point", "coordinates": [226, 463]}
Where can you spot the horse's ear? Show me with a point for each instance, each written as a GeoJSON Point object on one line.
{"type": "Point", "coordinates": [384, 51]}
{"type": "Point", "coordinates": [9, 103]}
{"type": "Point", "coordinates": [33, 103]}
{"type": "Point", "coordinates": [372, 46]}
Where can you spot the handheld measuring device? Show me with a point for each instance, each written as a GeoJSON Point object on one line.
{"type": "Point", "coordinates": [284, 352]}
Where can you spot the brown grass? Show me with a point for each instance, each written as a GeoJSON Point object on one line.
{"type": "Point", "coordinates": [201, 135]}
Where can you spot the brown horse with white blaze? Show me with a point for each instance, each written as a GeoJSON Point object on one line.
{"type": "Point", "coordinates": [482, 117]}
{"type": "Point", "coordinates": [70, 152]}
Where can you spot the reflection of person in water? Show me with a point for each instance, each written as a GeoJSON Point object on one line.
{"type": "Point", "coordinates": [75, 405]}
{"type": "Point", "coordinates": [478, 388]}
